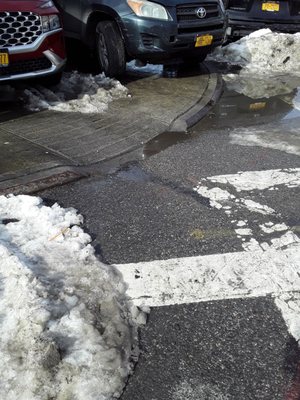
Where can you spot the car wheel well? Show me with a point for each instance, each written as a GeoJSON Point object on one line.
{"type": "Point", "coordinates": [93, 21]}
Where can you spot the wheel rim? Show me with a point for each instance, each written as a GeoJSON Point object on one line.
{"type": "Point", "coordinates": [103, 53]}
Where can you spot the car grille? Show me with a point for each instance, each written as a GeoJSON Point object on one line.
{"type": "Point", "coordinates": [148, 40]}
{"type": "Point", "coordinates": [188, 13]}
{"type": "Point", "coordinates": [25, 66]}
{"type": "Point", "coordinates": [19, 28]}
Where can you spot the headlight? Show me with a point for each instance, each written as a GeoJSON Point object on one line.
{"type": "Point", "coordinates": [47, 4]}
{"type": "Point", "coordinates": [50, 22]}
{"type": "Point", "coordinates": [147, 9]}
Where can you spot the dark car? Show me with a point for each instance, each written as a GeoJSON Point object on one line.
{"type": "Point", "coordinates": [117, 31]}
{"type": "Point", "coordinates": [31, 41]}
{"type": "Point", "coordinates": [246, 16]}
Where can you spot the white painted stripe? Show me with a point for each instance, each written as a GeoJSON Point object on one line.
{"type": "Point", "coordinates": [260, 180]}
{"type": "Point", "coordinates": [271, 268]}
{"type": "Point", "coordinates": [213, 277]}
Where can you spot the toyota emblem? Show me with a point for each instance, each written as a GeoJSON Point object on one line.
{"type": "Point", "coordinates": [201, 12]}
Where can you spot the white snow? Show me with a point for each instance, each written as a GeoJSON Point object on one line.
{"type": "Point", "coordinates": [66, 328]}
{"type": "Point", "coordinates": [264, 86]}
{"type": "Point", "coordinates": [148, 68]}
{"type": "Point", "coordinates": [263, 52]}
{"type": "Point", "coordinates": [77, 92]}
{"type": "Point", "coordinates": [270, 64]}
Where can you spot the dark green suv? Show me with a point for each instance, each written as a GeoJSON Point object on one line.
{"type": "Point", "coordinates": [118, 31]}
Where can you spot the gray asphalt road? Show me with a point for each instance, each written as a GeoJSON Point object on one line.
{"type": "Point", "coordinates": [229, 349]}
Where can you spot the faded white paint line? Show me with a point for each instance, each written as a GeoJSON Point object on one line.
{"type": "Point", "coordinates": [273, 228]}
{"type": "Point", "coordinates": [246, 181]}
{"type": "Point", "coordinates": [256, 207]}
{"type": "Point", "coordinates": [215, 195]}
{"type": "Point", "coordinates": [262, 269]}
{"type": "Point", "coordinates": [243, 231]}
{"type": "Point", "coordinates": [260, 180]}
{"type": "Point", "coordinates": [289, 305]}
{"type": "Point", "coordinates": [213, 277]}
{"type": "Point", "coordinates": [268, 139]}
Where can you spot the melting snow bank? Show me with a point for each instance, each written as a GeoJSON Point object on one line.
{"type": "Point", "coordinates": [257, 86]}
{"type": "Point", "coordinates": [270, 64]}
{"type": "Point", "coordinates": [263, 52]}
{"type": "Point", "coordinates": [66, 329]}
{"type": "Point", "coordinates": [76, 93]}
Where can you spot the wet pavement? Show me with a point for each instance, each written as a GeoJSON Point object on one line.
{"type": "Point", "coordinates": [142, 207]}
{"type": "Point", "coordinates": [148, 211]}
{"type": "Point", "coordinates": [153, 105]}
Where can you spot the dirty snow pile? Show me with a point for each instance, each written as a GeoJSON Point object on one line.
{"type": "Point", "coordinates": [135, 66]}
{"type": "Point", "coordinates": [77, 92]}
{"type": "Point", "coordinates": [257, 86]}
{"type": "Point", "coordinates": [263, 52]}
{"type": "Point", "coordinates": [270, 63]}
{"type": "Point", "coordinates": [67, 331]}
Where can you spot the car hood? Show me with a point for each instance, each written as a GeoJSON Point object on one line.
{"type": "Point", "coordinates": [25, 5]}
{"type": "Point", "coordinates": [173, 3]}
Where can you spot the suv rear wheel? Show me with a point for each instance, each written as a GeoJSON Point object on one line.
{"type": "Point", "coordinates": [110, 49]}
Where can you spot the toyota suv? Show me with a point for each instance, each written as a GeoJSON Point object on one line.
{"type": "Point", "coordinates": [246, 16]}
{"type": "Point", "coordinates": [117, 31]}
{"type": "Point", "coordinates": [31, 41]}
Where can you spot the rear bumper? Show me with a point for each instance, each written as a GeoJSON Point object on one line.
{"type": "Point", "coordinates": [239, 28]}
{"type": "Point", "coordinates": [46, 56]}
{"type": "Point", "coordinates": [157, 41]}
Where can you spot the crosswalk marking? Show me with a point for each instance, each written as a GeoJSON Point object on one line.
{"type": "Point", "coordinates": [262, 269]}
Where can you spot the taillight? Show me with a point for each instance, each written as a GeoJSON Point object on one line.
{"type": "Point", "coordinates": [238, 5]}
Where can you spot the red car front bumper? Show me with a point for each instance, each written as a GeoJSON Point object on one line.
{"type": "Point", "coordinates": [33, 47]}
{"type": "Point", "coordinates": [44, 57]}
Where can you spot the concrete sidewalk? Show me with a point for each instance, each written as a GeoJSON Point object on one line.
{"type": "Point", "coordinates": [44, 149]}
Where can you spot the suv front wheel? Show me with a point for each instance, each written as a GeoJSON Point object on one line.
{"type": "Point", "coordinates": [110, 49]}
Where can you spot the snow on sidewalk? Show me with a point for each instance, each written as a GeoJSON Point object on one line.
{"type": "Point", "coordinates": [77, 92]}
{"type": "Point", "coordinates": [67, 330]}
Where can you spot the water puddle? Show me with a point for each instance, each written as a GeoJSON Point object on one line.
{"type": "Point", "coordinates": [260, 105]}
{"type": "Point", "coordinates": [134, 174]}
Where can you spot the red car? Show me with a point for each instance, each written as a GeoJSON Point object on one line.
{"type": "Point", "coordinates": [31, 41]}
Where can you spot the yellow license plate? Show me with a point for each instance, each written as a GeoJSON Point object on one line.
{"type": "Point", "coordinates": [204, 40]}
{"type": "Point", "coordinates": [4, 59]}
{"type": "Point", "coordinates": [273, 7]}
{"type": "Point", "coordinates": [257, 106]}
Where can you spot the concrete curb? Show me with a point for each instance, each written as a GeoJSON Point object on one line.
{"type": "Point", "coordinates": [192, 116]}
{"type": "Point", "coordinates": [35, 181]}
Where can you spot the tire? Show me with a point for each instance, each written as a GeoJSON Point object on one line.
{"type": "Point", "coordinates": [110, 49]}
{"type": "Point", "coordinates": [194, 61]}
